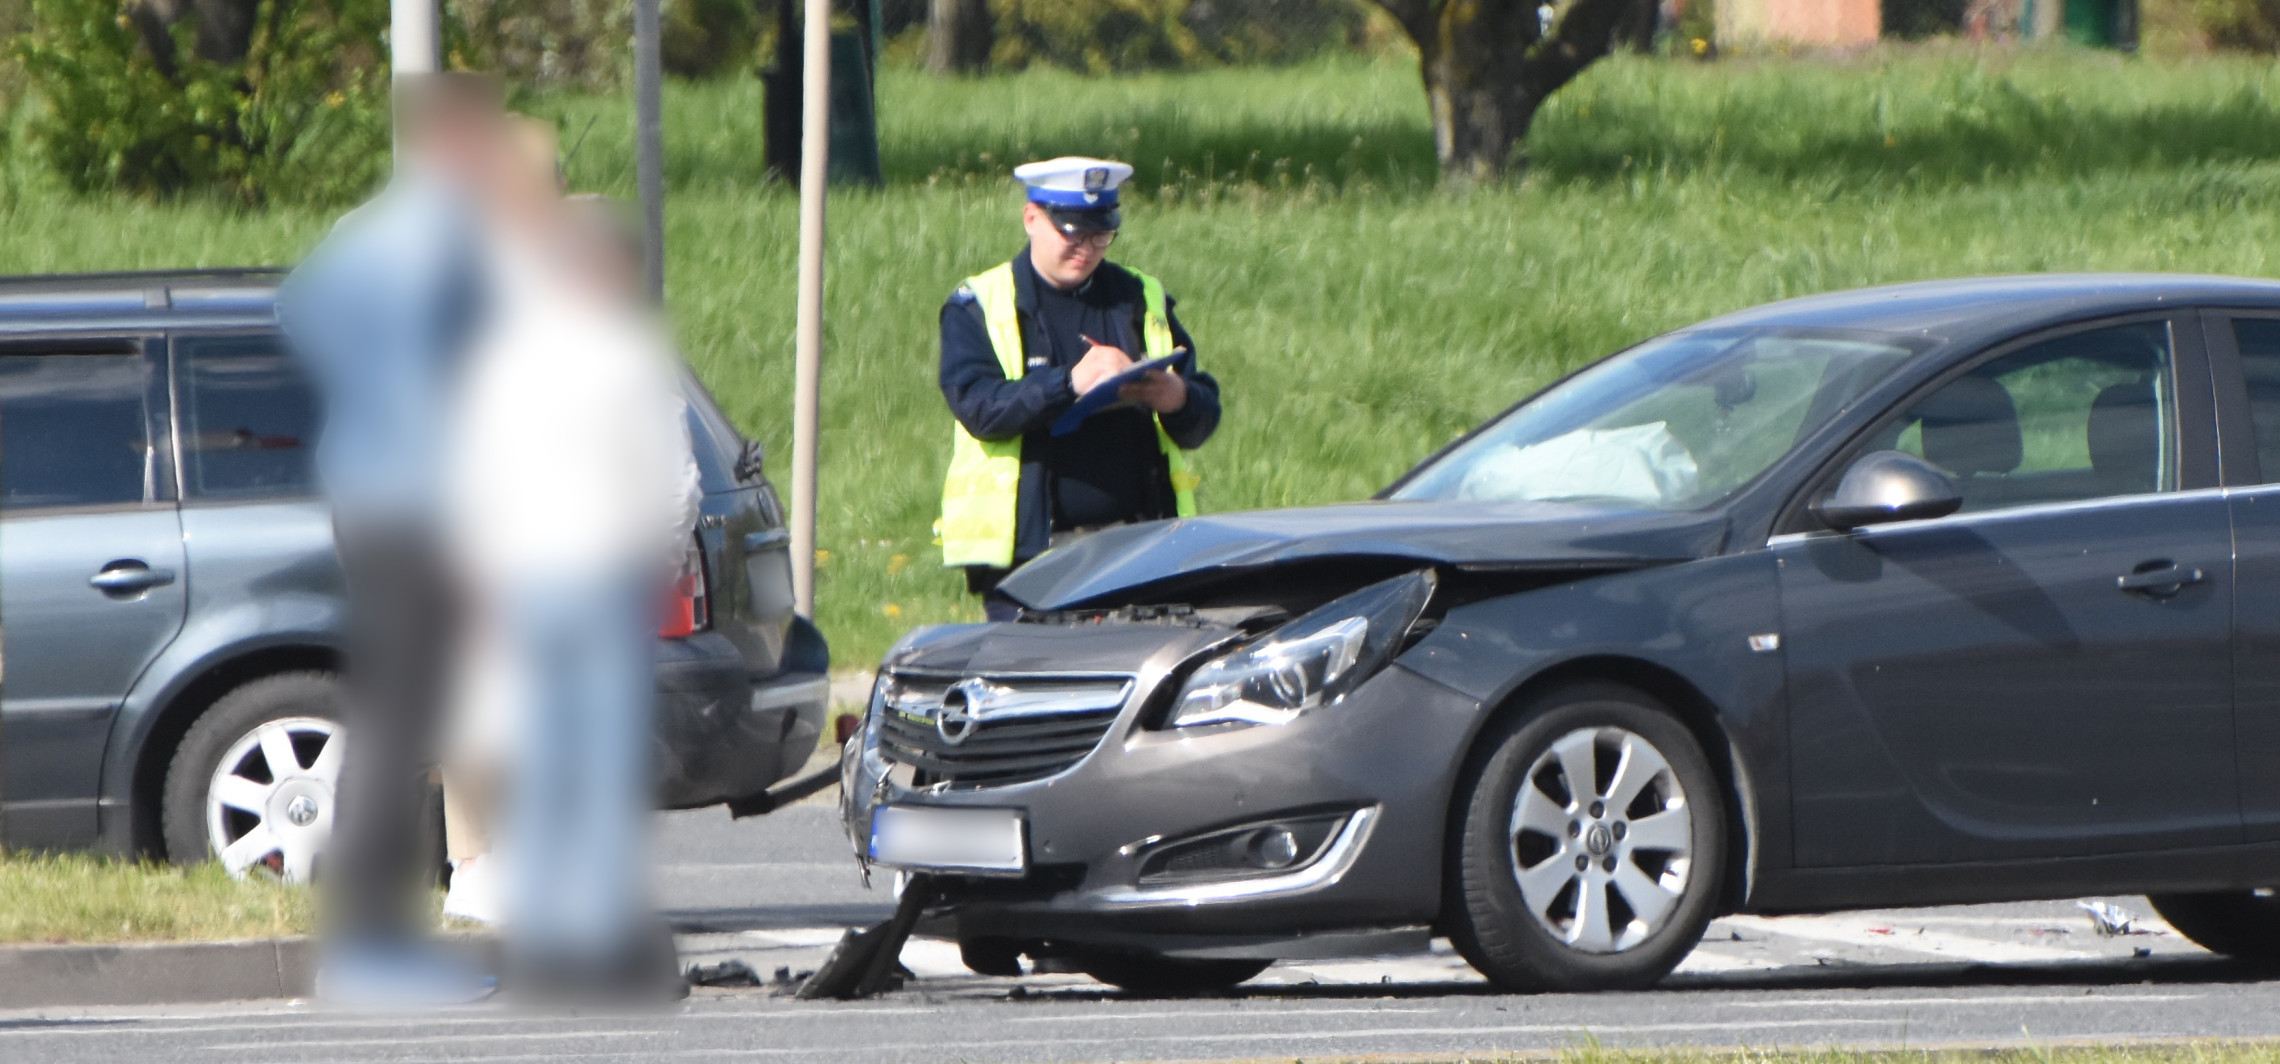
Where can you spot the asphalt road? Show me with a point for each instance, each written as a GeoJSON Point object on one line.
{"type": "Point", "coordinates": [774, 892]}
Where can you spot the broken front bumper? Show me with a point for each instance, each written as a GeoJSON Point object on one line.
{"type": "Point", "coordinates": [1140, 841]}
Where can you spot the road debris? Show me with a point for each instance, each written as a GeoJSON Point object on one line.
{"type": "Point", "coordinates": [730, 973]}
{"type": "Point", "coordinates": [2111, 920]}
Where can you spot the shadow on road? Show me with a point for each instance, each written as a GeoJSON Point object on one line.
{"type": "Point", "coordinates": [2168, 971]}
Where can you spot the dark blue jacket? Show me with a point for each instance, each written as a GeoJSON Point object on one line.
{"type": "Point", "coordinates": [1109, 470]}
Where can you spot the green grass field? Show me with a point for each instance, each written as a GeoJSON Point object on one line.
{"type": "Point", "coordinates": [80, 899]}
{"type": "Point", "coordinates": [1358, 317]}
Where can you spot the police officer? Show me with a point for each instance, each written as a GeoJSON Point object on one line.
{"type": "Point", "coordinates": [1020, 343]}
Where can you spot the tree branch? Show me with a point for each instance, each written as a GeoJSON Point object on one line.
{"type": "Point", "coordinates": [1416, 17]}
{"type": "Point", "coordinates": [1583, 34]}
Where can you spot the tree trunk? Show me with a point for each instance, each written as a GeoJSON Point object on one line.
{"type": "Point", "coordinates": [959, 34]}
{"type": "Point", "coordinates": [225, 29]}
{"type": "Point", "coordinates": [1488, 65]}
{"type": "Point", "coordinates": [1636, 28]}
{"type": "Point", "coordinates": [780, 100]}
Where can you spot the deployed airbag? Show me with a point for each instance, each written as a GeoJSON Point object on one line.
{"type": "Point", "coordinates": [1644, 464]}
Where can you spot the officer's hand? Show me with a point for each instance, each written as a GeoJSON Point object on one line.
{"type": "Point", "coordinates": [1161, 391]}
{"type": "Point", "coordinates": [1100, 363]}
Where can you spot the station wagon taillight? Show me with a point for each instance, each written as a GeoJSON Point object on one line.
{"type": "Point", "coordinates": [686, 608]}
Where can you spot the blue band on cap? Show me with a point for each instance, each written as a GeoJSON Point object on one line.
{"type": "Point", "coordinates": [1072, 199]}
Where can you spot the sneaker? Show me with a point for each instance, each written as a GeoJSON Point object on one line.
{"type": "Point", "coordinates": [474, 893]}
{"type": "Point", "coordinates": [400, 977]}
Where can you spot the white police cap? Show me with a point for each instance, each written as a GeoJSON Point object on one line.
{"type": "Point", "coordinates": [1073, 182]}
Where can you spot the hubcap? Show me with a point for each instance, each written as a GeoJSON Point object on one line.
{"type": "Point", "coordinates": [1601, 840]}
{"type": "Point", "coordinates": [270, 803]}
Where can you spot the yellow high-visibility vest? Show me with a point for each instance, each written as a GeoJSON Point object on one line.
{"type": "Point", "coordinates": [981, 496]}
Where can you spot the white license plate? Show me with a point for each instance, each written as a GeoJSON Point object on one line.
{"type": "Point", "coordinates": [972, 840]}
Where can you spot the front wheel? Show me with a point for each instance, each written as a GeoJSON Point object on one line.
{"type": "Point", "coordinates": [1591, 845]}
{"type": "Point", "coordinates": [2241, 924]}
{"type": "Point", "coordinates": [1158, 975]}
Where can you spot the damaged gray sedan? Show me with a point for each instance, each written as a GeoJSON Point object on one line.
{"type": "Point", "coordinates": [1905, 596]}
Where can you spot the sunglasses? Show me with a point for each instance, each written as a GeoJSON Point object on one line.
{"type": "Point", "coordinates": [1096, 239]}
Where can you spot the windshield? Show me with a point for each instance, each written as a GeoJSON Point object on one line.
{"type": "Point", "coordinates": [1676, 423]}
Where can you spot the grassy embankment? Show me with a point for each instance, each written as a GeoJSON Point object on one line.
{"type": "Point", "coordinates": [1357, 317]}
{"type": "Point", "coordinates": [86, 899]}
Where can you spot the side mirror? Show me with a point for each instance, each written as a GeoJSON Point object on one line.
{"type": "Point", "coordinates": [1885, 486]}
{"type": "Point", "coordinates": [752, 464]}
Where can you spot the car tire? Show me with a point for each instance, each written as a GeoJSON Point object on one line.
{"type": "Point", "coordinates": [990, 956]}
{"type": "Point", "coordinates": [1156, 975]}
{"type": "Point", "coordinates": [1519, 908]}
{"type": "Point", "coordinates": [2241, 924]}
{"type": "Point", "coordinates": [294, 803]}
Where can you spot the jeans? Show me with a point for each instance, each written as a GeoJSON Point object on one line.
{"type": "Point", "coordinates": [404, 621]}
{"type": "Point", "coordinates": [578, 796]}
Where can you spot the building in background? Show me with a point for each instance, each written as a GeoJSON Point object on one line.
{"type": "Point", "coordinates": [2092, 23]}
{"type": "Point", "coordinates": [1748, 25]}
{"type": "Point", "coordinates": [1752, 25]}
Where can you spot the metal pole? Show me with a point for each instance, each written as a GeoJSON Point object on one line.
{"type": "Point", "coordinates": [649, 141]}
{"type": "Point", "coordinates": [414, 46]}
{"type": "Point", "coordinates": [815, 157]}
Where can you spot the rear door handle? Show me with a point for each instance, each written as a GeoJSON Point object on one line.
{"type": "Point", "coordinates": [2159, 579]}
{"type": "Point", "coordinates": [772, 539]}
{"type": "Point", "coordinates": [130, 576]}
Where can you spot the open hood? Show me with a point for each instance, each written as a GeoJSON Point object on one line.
{"type": "Point", "coordinates": [1107, 567]}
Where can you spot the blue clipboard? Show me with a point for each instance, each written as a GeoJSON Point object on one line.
{"type": "Point", "coordinates": [1103, 395]}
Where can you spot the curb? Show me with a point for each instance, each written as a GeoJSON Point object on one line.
{"type": "Point", "coordinates": [156, 974]}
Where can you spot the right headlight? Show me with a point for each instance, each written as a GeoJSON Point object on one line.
{"type": "Point", "coordinates": [1310, 662]}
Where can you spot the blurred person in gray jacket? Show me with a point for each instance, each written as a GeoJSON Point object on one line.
{"type": "Point", "coordinates": [382, 315]}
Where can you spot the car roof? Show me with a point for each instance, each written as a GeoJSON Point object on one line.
{"type": "Point", "coordinates": [1971, 308]}
{"type": "Point", "coordinates": [139, 300]}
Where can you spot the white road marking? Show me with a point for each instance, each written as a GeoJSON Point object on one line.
{"type": "Point", "coordinates": [311, 1021]}
{"type": "Point", "coordinates": [1703, 961]}
{"type": "Point", "coordinates": [853, 870]}
{"type": "Point", "coordinates": [455, 1039]}
{"type": "Point", "coordinates": [1405, 970]}
{"type": "Point", "coordinates": [1854, 930]}
{"type": "Point", "coordinates": [1195, 1014]}
{"type": "Point", "coordinates": [934, 958]}
{"type": "Point", "coordinates": [2012, 999]}
{"type": "Point", "coordinates": [1587, 1030]}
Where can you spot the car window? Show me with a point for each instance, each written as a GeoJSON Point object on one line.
{"type": "Point", "coordinates": [74, 430]}
{"type": "Point", "coordinates": [2258, 340]}
{"type": "Point", "coordinates": [248, 419]}
{"type": "Point", "coordinates": [1676, 423]}
{"type": "Point", "coordinates": [2083, 416]}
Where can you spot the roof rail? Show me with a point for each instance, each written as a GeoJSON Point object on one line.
{"type": "Point", "coordinates": [216, 273]}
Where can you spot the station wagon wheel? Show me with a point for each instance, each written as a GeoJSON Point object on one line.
{"type": "Point", "coordinates": [269, 803]}
{"type": "Point", "coordinates": [253, 783]}
{"type": "Point", "coordinates": [1591, 845]}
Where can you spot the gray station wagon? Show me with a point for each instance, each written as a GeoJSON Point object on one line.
{"type": "Point", "coordinates": [172, 609]}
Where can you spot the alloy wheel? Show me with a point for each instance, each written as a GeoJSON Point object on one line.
{"type": "Point", "coordinates": [1602, 840]}
{"type": "Point", "coordinates": [270, 803]}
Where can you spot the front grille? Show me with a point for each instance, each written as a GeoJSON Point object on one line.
{"type": "Point", "coordinates": [1000, 729]}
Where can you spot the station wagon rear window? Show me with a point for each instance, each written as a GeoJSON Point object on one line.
{"type": "Point", "coordinates": [249, 419]}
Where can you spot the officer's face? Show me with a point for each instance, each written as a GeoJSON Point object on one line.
{"type": "Point", "coordinates": [1063, 262]}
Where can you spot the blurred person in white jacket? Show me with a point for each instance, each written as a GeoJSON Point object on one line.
{"type": "Point", "coordinates": [573, 494]}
